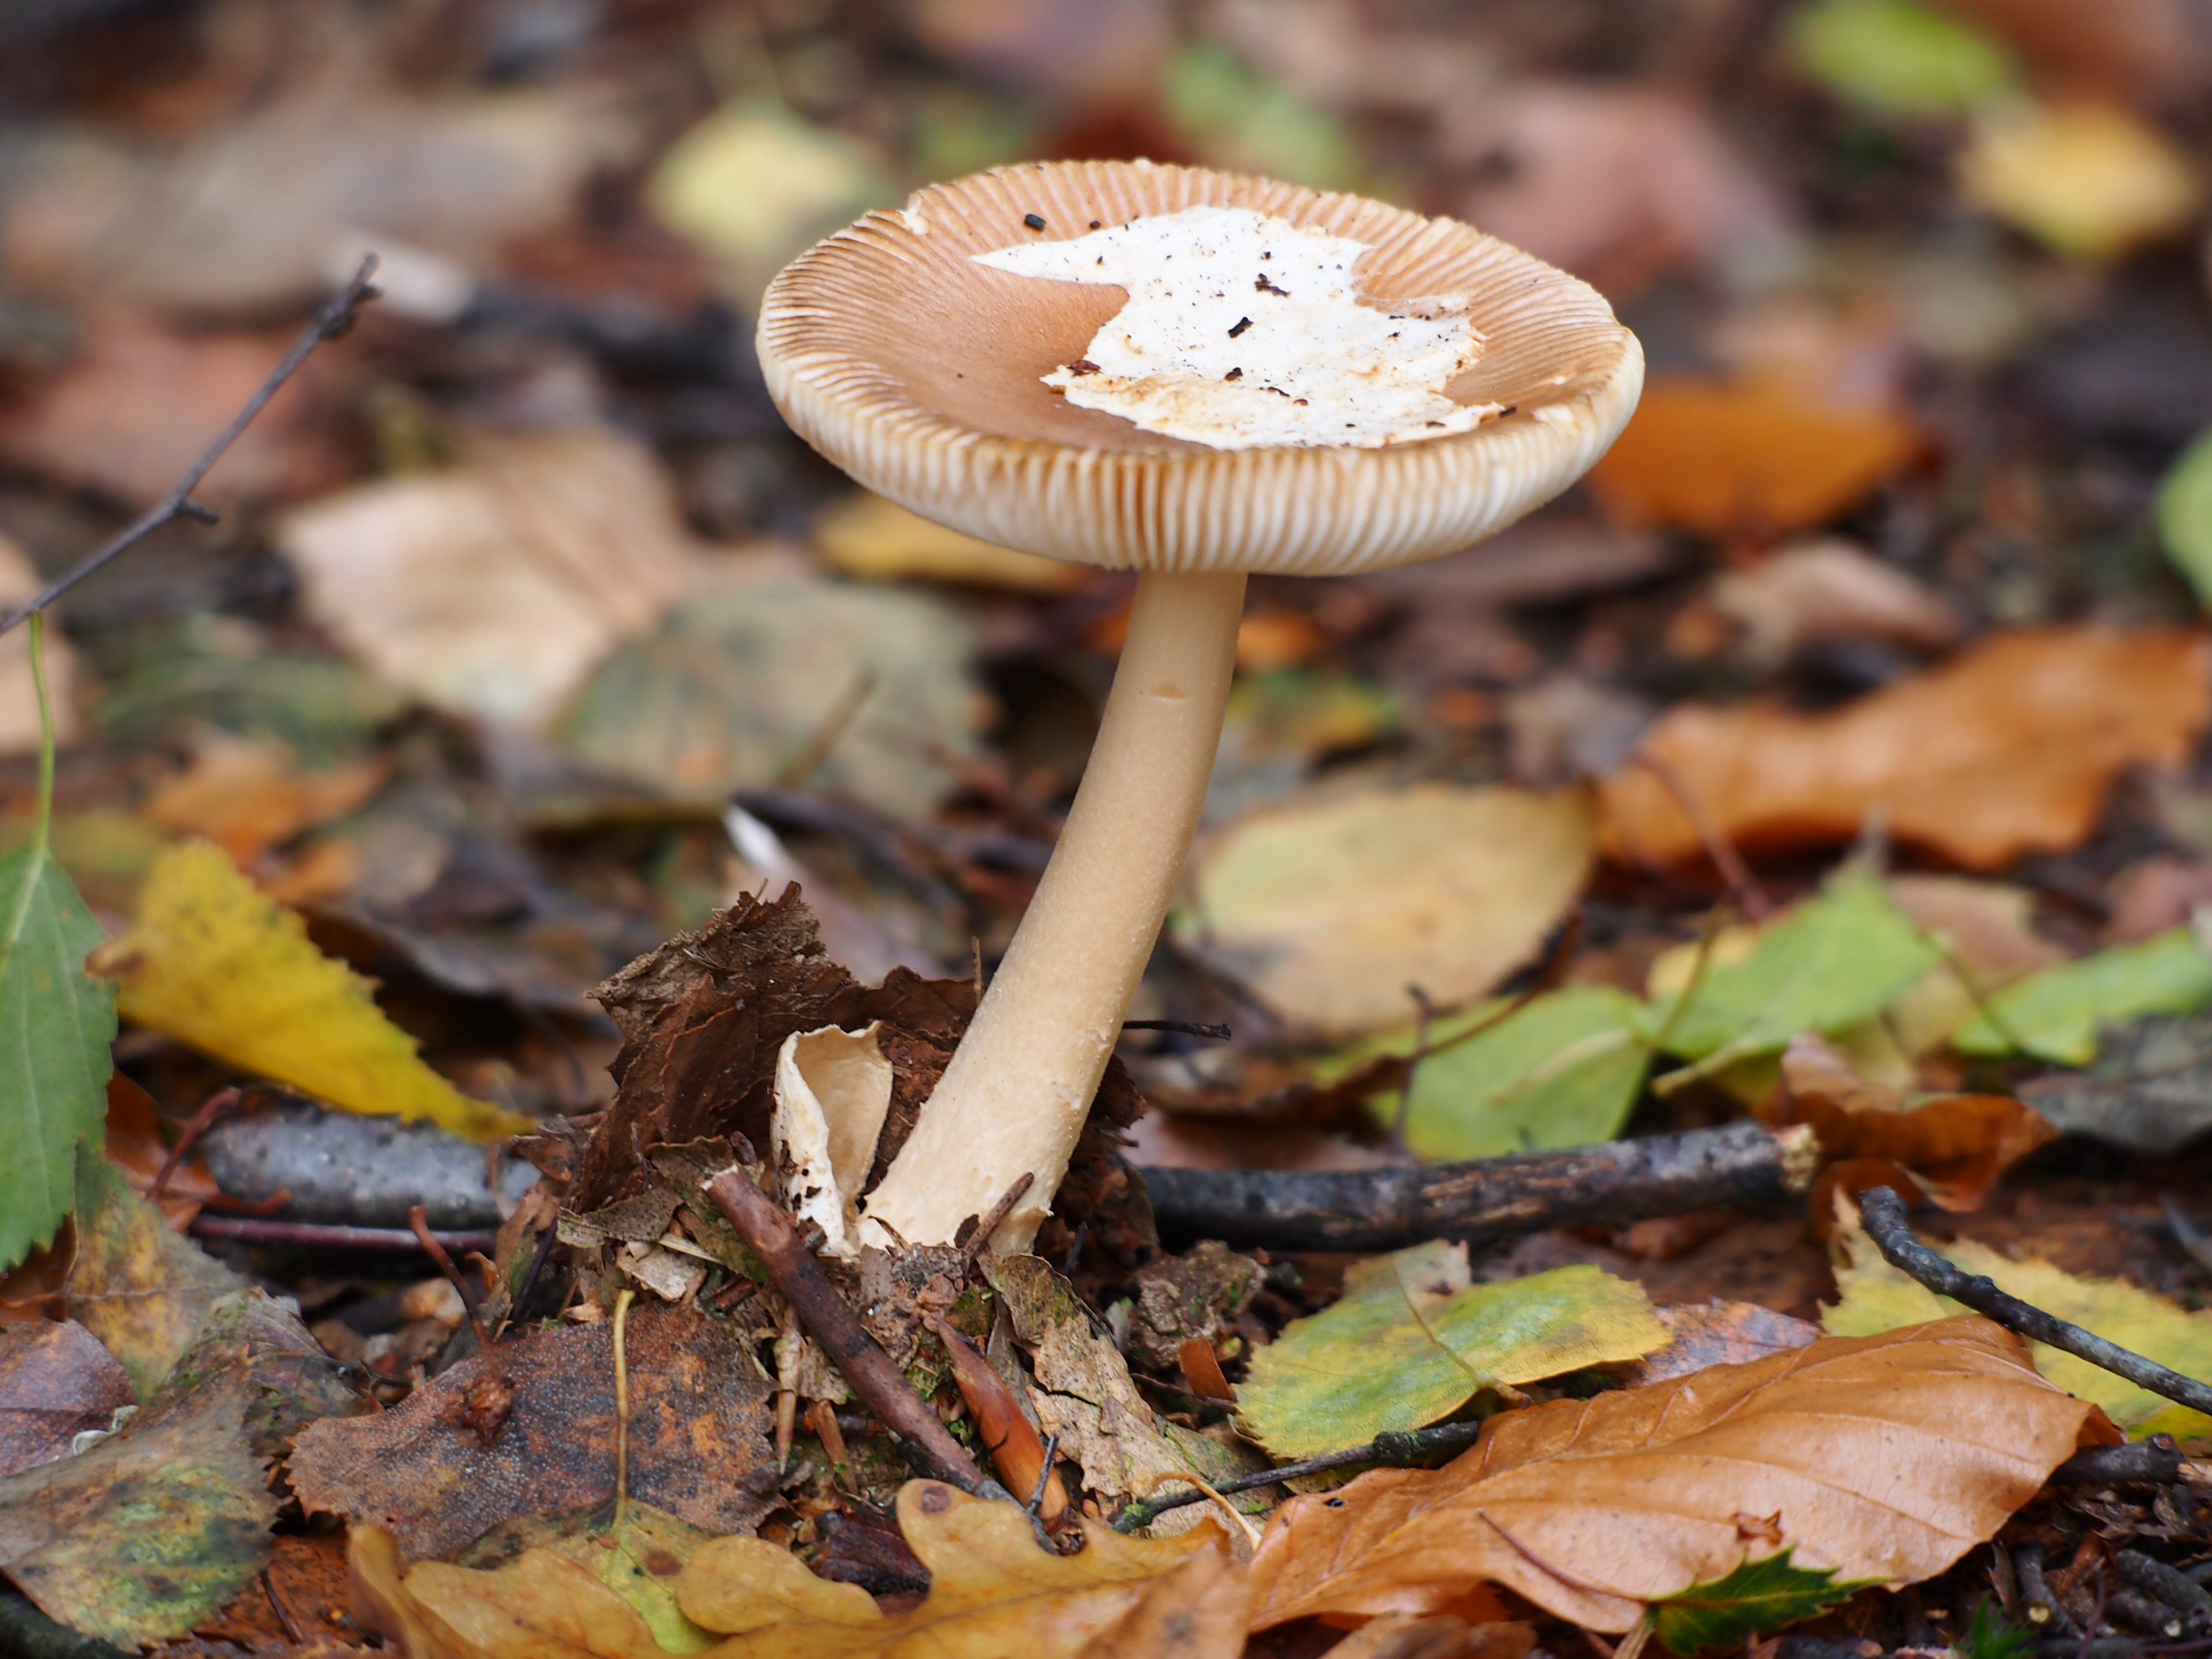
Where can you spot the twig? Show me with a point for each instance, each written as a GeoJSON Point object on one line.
{"type": "Point", "coordinates": [514, 1308]}
{"type": "Point", "coordinates": [313, 1236]}
{"type": "Point", "coordinates": [418, 1224]}
{"type": "Point", "coordinates": [1393, 1448]}
{"type": "Point", "coordinates": [334, 319]}
{"type": "Point", "coordinates": [1187, 1027]}
{"type": "Point", "coordinates": [2155, 1461]}
{"type": "Point", "coordinates": [1882, 1213]}
{"type": "Point", "coordinates": [283, 1614]}
{"type": "Point", "coordinates": [995, 1218]}
{"type": "Point", "coordinates": [1719, 848]}
{"type": "Point", "coordinates": [1388, 1209]}
{"type": "Point", "coordinates": [2187, 1233]}
{"type": "Point", "coordinates": [1044, 1474]}
{"type": "Point", "coordinates": [767, 1232]}
{"type": "Point", "coordinates": [211, 1109]}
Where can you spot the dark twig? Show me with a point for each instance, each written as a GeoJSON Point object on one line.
{"type": "Point", "coordinates": [1395, 1448]}
{"type": "Point", "coordinates": [1754, 899]}
{"type": "Point", "coordinates": [2187, 1233]}
{"type": "Point", "coordinates": [995, 1218]}
{"type": "Point", "coordinates": [313, 1236]}
{"type": "Point", "coordinates": [1186, 1028]}
{"type": "Point", "coordinates": [537, 1259]}
{"type": "Point", "coordinates": [767, 1232]}
{"type": "Point", "coordinates": [1045, 1477]}
{"type": "Point", "coordinates": [1882, 1213]}
{"type": "Point", "coordinates": [2155, 1461]}
{"type": "Point", "coordinates": [332, 321]}
{"type": "Point", "coordinates": [212, 1107]}
{"type": "Point", "coordinates": [418, 1224]}
{"type": "Point", "coordinates": [283, 1614]}
{"type": "Point", "coordinates": [1388, 1209]}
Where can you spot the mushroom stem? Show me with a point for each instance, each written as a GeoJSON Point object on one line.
{"type": "Point", "coordinates": [1014, 1097]}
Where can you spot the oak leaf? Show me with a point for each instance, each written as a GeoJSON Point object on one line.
{"type": "Point", "coordinates": [2006, 750]}
{"type": "Point", "coordinates": [1883, 1458]}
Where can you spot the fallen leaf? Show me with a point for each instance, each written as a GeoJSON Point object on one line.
{"type": "Point", "coordinates": [246, 795]}
{"type": "Point", "coordinates": [1838, 958]}
{"type": "Point", "coordinates": [1079, 52]}
{"type": "Point", "coordinates": [56, 1024]}
{"type": "Point", "coordinates": [1327, 909]}
{"type": "Point", "coordinates": [1830, 590]}
{"type": "Point", "coordinates": [637, 1553]}
{"type": "Point", "coordinates": [1279, 724]}
{"type": "Point", "coordinates": [1882, 1458]}
{"type": "Point", "coordinates": [2150, 1089]}
{"type": "Point", "coordinates": [494, 588]}
{"type": "Point", "coordinates": [1729, 459]}
{"type": "Point", "coordinates": [135, 1146]}
{"type": "Point", "coordinates": [2126, 49]}
{"type": "Point", "coordinates": [306, 1575]}
{"type": "Point", "coordinates": [19, 724]}
{"type": "Point", "coordinates": [866, 690]}
{"type": "Point", "coordinates": [1247, 123]}
{"type": "Point", "coordinates": [698, 1435]}
{"type": "Point", "coordinates": [754, 184]}
{"type": "Point", "coordinates": [55, 1381]}
{"type": "Point", "coordinates": [1719, 1334]}
{"type": "Point", "coordinates": [877, 540]}
{"type": "Point", "coordinates": [1769, 1593]}
{"type": "Point", "coordinates": [1411, 1341]}
{"type": "Point", "coordinates": [2089, 181]}
{"type": "Point", "coordinates": [1193, 1296]}
{"type": "Point", "coordinates": [2058, 1014]}
{"type": "Point", "coordinates": [1872, 1295]}
{"type": "Point", "coordinates": [138, 1287]}
{"type": "Point", "coordinates": [2009, 748]}
{"type": "Point", "coordinates": [213, 963]}
{"type": "Point", "coordinates": [145, 1534]}
{"type": "Point", "coordinates": [1956, 1145]}
{"type": "Point", "coordinates": [1896, 57]}
{"type": "Point", "coordinates": [1564, 1071]}
{"type": "Point", "coordinates": [2184, 515]}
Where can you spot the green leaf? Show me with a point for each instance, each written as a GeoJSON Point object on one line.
{"type": "Point", "coordinates": [1243, 121]}
{"type": "Point", "coordinates": [2184, 515]}
{"type": "Point", "coordinates": [2055, 1015]}
{"type": "Point", "coordinates": [1898, 58]}
{"type": "Point", "coordinates": [1563, 1071]}
{"type": "Point", "coordinates": [1835, 960]}
{"type": "Point", "coordinates": [1769, 1593]}
{"type": "Point", "coordinates": [1411, 1341]}
{"type": "Point", "coordinates": [1992, 1636]}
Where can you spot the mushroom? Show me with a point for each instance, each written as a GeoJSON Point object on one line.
{"type": "Point", "coordinates": [1194, 375]}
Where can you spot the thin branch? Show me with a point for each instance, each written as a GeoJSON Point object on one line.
{"type": "Point", "coordinates": [1395, 1448]}
{"type": "Point", "coordinates": [308, 1235]}
{"type": "Point", "coordinates": [334, 319]}
{"type": "Point", "coordinates": [1882, 1213]}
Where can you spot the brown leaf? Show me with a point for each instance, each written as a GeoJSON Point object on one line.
{"type": "Point", "coordinates": [1886, 1458]}
{"type": "Point", "coordinates": [247, 796]}
{"type": "Point", "coordinates": [1016, 1451]}
{"type": "Point", "coordinates": [55, 1381]}
{"type": "Point", "coordinates": [2006, 750]}
{"type": "Point", "coordinates": [698, 1435]}
{"type": "Point", "coordinates": [135, 1146]}
{"type": "Point", "coordinates": [1726, 459]}
{"type": "Point", "coordinates": [1720, 1333]}
{"type": "Point", "coordinates": [1957, 1146]}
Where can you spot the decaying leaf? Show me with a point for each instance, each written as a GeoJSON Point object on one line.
{"type": "Point", "coordinates": [56, 1382]}
{"type": "Point", "coordinates": [1329, 909]}
{"type": "Point", "coordinates": [2091, 180]}
{"type": "Point", "coordinates": [993, 1594]}
{"type": "Point", "coordinates": [2056, 1014]}
{"type": "Point", "coordinates": [636, 1551]}
{"type": "Point", "coordinates": [213, 963]}
{"type": "Point", "coordinates": [1956, 1146]}
{"type": "Point", "coordinates": [1719, 1334]}
{"type": "Point", "coordinates": [2009, 748]}
{"type": "Point", "coordinates": [1744, 459]}
{"type": "Point", "coordinates": [869, 537]}
{"type": "Point", "coordinates": [530, 1428]}
{"type": "Point", "coordinates": [1884, 1458]}
{"type": "Point", "coordinates": [247, 794]}
{"type": "Point", "coordinates": [142, 1290]}
{"type": "Point", "coordinates": [1873, 1296]}
{"type": "Point", "coordinates": [1411, 1341]}
{"type": "Point", "coordinates": [2150, 1089]}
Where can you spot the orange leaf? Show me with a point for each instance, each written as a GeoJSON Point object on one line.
{"type": "Point", "coordinates": [1884, 1458]}
{"type": "Point", "coordinates": [2006, 750]}
{"type": "Point", "coordinates": [1729, 459]}
{"type": "Point", "coordinates": [1016, 1451]}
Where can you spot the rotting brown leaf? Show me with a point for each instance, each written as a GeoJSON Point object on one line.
{"type": "Point", "coordinates": [55, 1381]}
{"type": "Point", "coordinates": [1720, 1333]}
{"type": "Point", "coordinates": [1886, 1458]}
{"type": "Point", "coordinates": [698, 1435]}
{"type": "Point", "coordinates": [2009, 748]}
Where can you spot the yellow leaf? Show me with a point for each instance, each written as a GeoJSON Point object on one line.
{"type": "Point", "coordinates": [868, 537]}
{"type": "Point", "coordinates": [2090, 180]}
{"type": "Point", "coordinates": [1872, 1295]}
{"type": "Point", "coordinates": [217, 966]}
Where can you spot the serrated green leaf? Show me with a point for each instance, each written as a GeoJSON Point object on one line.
{"type": "Point", "coordinates": [1770, 1594]}
{"type": "Point", "coordinates": [2055, 1015]}
{"type": "Point", "coordinates": [1411, 1341]}
{"type": "Point", "coordinates": [1563, 1071]}
{"type": "Point", "coordinates": [2184, 515]}
{"type": "Point", "coordinates": [1895, 58]}
{"type": "Point", "coordinates": [1835, 960]}
{"type": "Point", "coordinates": [56, 1026]}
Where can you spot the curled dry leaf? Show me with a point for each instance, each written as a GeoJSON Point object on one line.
{"type": "Point", "coordinates": [993, 1594]}
{"type": "Point", "coordinates": [2008, 749]}
{"type": "Point", "coordinates": [1883, 1458]}
{"type": "Point", "coordinates": [1956, 1146]}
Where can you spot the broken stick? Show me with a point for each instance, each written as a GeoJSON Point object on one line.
{"type": "Point", "coordinates": [767, 1232]}
{"type": "Point", "coordinates": [1621, 1181]}
{"type": "Point", "coordinates": [1881, 1212]}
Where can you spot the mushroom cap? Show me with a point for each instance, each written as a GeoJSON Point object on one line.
{"type": "Point", "coordinates": [918, 370]}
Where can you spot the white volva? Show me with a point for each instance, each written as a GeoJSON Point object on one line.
{"type": "Point", "coordinates": [1245, 330]}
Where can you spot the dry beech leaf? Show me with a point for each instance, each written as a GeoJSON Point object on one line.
{"type": "Point", "coordinates": [993, 1594]}
{"type": "Point", "coordinates": [1956, 1146]}
{"type": "Point", "coordinates": [215, 964]}
{"type": "Point", "coordinates": [1727, 459]}
{"type": "Point", "coordinates": [135, 1146]}
{"type": "Point", "coordinates": [1719, 1334]}
{"type": "Point", "coordinates": [877, 540]}
{"type": "Point", "coordinates": [246, 794]}
{"type": "Point", "coordinates": [1328, 909]}
{"type": "Point", "coordinates": [1885, 1459]}
{"type": "Point", "coordinates": [2006, 750]}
